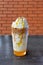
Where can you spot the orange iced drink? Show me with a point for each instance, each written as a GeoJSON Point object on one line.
{"type": "Point", "coordinates": [19, 36]}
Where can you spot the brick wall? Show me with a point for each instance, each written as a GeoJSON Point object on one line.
{"type": "Point", "coordinates": [30, 9]}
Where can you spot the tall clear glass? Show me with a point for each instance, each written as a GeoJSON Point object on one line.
{"type": "Point", "coordinates": [19, 38]}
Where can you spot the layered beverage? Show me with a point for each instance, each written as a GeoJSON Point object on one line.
{"type": "Point", "coordinates": [20, 36]}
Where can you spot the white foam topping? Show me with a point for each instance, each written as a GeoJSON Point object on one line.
{"type": "Point", "coordinates": [20, 22]}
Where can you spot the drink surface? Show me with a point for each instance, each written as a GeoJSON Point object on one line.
{"type": "Point", "coordinates": [19, 36]}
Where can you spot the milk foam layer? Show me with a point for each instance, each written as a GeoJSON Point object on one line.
{"type": "Point", "coordinates": [20, 22]}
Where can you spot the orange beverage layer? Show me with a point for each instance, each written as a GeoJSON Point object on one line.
{"type": "Point", "coordinates": [22, 53]}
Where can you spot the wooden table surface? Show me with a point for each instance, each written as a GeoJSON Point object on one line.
{"type": "Point", "coordinates": [34, 55]}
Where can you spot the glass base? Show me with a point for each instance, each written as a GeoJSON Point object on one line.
{"type": "Point", "coordinates": [22, 53]}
